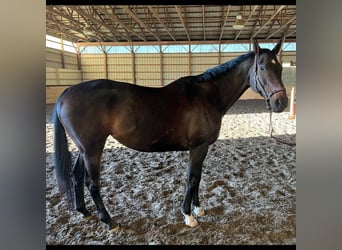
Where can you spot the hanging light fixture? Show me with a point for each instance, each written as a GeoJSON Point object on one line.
{"type": "Point", "coordinates": [88, 31]}
{"type": "Point", "coordinates": [239, 23]}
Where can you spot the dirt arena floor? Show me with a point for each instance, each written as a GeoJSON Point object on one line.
{"type": "Point", "coordinates": [248, 189]}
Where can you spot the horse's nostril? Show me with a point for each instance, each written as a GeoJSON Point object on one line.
{"type": "Point", "coordinates": [281, 104]}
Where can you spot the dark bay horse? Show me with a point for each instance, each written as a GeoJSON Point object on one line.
{"type": "Point", "coordinates": [184, 115]}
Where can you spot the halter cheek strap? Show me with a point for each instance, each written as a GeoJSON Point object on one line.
{"type": "Point", "coordinates": [259, 86]}
{"type": "Point", "coordinates": [262, 90]}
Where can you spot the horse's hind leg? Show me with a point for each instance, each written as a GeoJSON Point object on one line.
{"type": "Point", "coordinates": [78, 180]}
{"type": "Point", "coordinates": [197, 156]}
{"type": "Point", "coordinates": [92, 165]}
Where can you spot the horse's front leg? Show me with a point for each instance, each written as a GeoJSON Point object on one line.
{"type": "Point", "coordinates": [197, 156]}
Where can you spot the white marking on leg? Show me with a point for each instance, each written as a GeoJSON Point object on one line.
{"type": "Point", "coordinates": [190, 220]}
{"type": "Point", "coordinates": [199, 211]}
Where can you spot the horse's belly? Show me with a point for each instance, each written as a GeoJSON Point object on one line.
{"type": "Point", "coordinates": [158, 148]}
{"type": "Point", "coordinates": [148, 146]}
{"type": "Point", "coordinates": [153, 142]}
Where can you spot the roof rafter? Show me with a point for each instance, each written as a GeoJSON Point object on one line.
{"type": "Point", "coordinates": [282, 27]}
{"type": "Point", "coordinates": [82, 13]}
{"type": "Point", "coordinates": [224, 21]}
{"type": "Point", "coordinates": [290, 33]}
{"type": "Point", "coordinates": [149, 15]}
{"type": "Point", "coordinates": [161, 22]}
{"type": "Point", "coordinates": [65, 26]}
{"type": "Point", "coordinates": [249, 17]}
{"type": "Point", "coordinates": [264, 25]}
{"type": "Point", "coordinates": [62, 31]}
{"type": "Point", "coordinates": [176, 23]}
{"type": "Point", "coordinates": [136, 18]}
{"type": "Point", "coordinates": [271, 26]}
{"type": "Point", "coordinates": [60, 13]}
{"type": "Point", "coordinates": [169, 21]}
{"type": "Point", "coordinates": [179, 12]}
{"type": "Point", "coordinates": [116, 18]}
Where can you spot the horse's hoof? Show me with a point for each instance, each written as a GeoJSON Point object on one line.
{"type": "Point", "coordinates": [198, 211]}
{"type": "Point", "coordinates": [190, 221]}
{"type": "Point", "coordinates": [115, 229]}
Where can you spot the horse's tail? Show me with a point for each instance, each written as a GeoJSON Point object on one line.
{"type": "Point", "coordinates": [62, 160]}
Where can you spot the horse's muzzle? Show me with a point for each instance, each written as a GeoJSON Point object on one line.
{"type": "Point", "coordinates": [279, 102]}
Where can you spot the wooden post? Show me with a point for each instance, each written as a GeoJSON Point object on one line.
{"type": "Point", "coordinates": [79, 61]}
{"type": "Point", "coordinates": [62, 52]}
{"type": "Point", "coordinates": [219, 56]}
{"type": "Point", "coordinates": [292, 106]}
{"type": "Point", "coordinates": [78, 57]}
{"type": "Point", "coordinates": [161, 66]}
{"type": "Point", "coordinates": [105, 65]}
{"type": "Point", "coordinates": [189, 60]}
{"type": "Point", "coordinates": [133, 65]}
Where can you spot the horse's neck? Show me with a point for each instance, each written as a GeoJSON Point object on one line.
{"type": "Point", "coordinates": [234, 83]}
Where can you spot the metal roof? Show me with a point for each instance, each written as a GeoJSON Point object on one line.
{"type": "Point", "coordinates": [169, 23]}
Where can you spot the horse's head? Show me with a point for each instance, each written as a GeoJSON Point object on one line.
{"type": "Point", "coordinates": [265, 77]}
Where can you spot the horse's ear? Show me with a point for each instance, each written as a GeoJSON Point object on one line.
{"type": "Point", "coordinates": [256, 47]}
{"type": "Point", "coordinates": [276, 48]}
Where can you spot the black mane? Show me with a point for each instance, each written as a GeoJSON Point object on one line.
{"type": "Point", "coordinates": [215, 72]}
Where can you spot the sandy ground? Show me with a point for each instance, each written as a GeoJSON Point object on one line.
{"type": "Point", "coordinates": [248, 189]}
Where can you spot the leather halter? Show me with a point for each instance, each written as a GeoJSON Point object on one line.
{"type": "Point", "coordinates": [259, 86]}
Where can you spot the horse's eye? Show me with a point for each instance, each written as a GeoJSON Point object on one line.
{"type": "Point", "coordinates": [262, 67]}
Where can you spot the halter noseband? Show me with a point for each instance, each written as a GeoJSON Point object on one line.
{"type": "Point", "coordinates": [259, 86]}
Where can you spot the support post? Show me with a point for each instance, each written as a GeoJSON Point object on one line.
{"type": "Point", "coordinates": [220, 54]}
{"type": "Point", "coordinates": [79, 61]}
{"type": "Point", "coordinates": [62, 52]}
{"type": "Point", "coordinates": [292, 106]}
{"type": "Point", "coordinates": [189, 60]}
{"type": "Point", "coordinates": [105, 65]}
{"type": "Point", "coordinates": [133, 65]}
{"type": "Point", "coordinates": [161, 65]}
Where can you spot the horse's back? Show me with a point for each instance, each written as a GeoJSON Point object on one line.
{"type": "Point", "coordinates": [110, 107]}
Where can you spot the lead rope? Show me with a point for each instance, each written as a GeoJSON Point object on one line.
{"type": "Point", "coordinates": [278, 139]}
